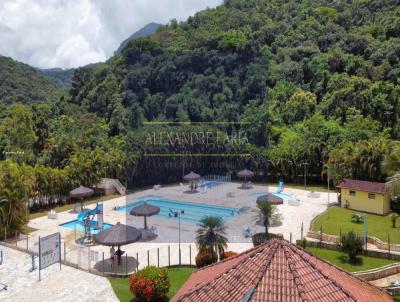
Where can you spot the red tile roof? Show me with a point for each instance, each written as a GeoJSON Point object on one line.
{"type": "Point", "coordinates": [276, 271]}
{"type": "Point", "coordinates": [366, 186]}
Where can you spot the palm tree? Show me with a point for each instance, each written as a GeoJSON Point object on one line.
{"type": "Point", "coordinates": [391, 165]}
{"type": "Point", "coordinates": [265, 212]}
{"type": "Point", "coordinates": [211, 236]}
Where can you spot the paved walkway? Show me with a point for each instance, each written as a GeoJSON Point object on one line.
{"type": "Point", "coordinates": [66, 285]}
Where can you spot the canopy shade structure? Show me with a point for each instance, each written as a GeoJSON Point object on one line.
{"type": "Point", "coordinates": [117, 235]}
{"type": "Point", "coordinates": [245, 174]}
{"type": "Point", "coordinates": [145, 210]}
{"type": "Point", "coordinates": [81, 192]}
{"type": "Point", "coordinates": [271, 198]}
{"type": "Point", "coordinates": [191, 176]}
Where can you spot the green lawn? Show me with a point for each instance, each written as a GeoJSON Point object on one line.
{"type": "Point", "coordinates": [177, 277]}
{"type": "Point", "coordinates": [335, 219]}
{"type": "Point", "coordinates": [341, 260]}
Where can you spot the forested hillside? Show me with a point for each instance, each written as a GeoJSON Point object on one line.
{"type": "Point", "coordinates": [317, 80]}
{"type": "Point", "coordinates": [24, 84]}
{"type": "Point", "coordinates": [312, 84]}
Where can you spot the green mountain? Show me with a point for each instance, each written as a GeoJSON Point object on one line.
{"type": "Point", "coordinates": [62, 77]}
{"type": "Point", "coordinates": [313, 85]}
{"type": "Point", "coordinates": [143, 32]}
{"type": "Point", "coordinates": [314, 80]}
{"type": "Point", "coordinates": [24, 84]}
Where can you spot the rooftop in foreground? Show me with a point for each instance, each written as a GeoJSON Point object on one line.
{"type": "Point", "coordinates": [276, 271]}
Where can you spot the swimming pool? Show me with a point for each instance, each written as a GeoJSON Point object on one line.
{"type": "Point", "coordinates": [193, 212]}
{"type": "Point", "coordinates": [79, 227]}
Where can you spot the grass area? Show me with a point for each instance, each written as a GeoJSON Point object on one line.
{"type": "Point", "coordinates": [70, 206]}
{"type": "Point", "coordinates": [177, 277]}
{"type": "Point", "coordinates": [341, 260]}
{"type": "Point", "coordinates": [336, 219]}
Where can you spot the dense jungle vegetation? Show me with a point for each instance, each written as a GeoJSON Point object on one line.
{"type": "Point", "coordinates": [312, 84]}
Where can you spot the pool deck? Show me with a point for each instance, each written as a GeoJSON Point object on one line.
{"type": "Point", "coordinates": [75, 285]}
{"type": "Point", "coordinates": [292, 218]}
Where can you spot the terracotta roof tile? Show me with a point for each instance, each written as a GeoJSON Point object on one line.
{"type": "Point", "coordinates": [277, 271]}
{"type": "Point", "coordinates": [366, 186]}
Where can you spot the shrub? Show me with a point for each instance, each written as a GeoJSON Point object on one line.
{"type": "Point", "coordinates": [204, 259]}
{"type": "Point", "coordinates": [351, 244]}
{"type": "Point", "coordinates": [393, 218]}
{"type": "Point", "coordinates": [228, 254]}
{"type": "Point", "coordinates": [149, 284]}
{"type": "Point", "coordinates": [260, 238]}
{"type": "Point", "coordinates": [302, 242]}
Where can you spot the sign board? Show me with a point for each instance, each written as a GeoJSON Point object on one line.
{"type": "Point", "coordinates": [49, 250]}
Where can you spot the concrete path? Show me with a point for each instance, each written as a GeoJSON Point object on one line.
{"type": "Point", "coordinates": [66, 285]}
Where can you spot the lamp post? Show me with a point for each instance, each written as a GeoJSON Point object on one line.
{"type": "Point", "coordinates": [177, 214]}
{"type": "Point", "coordinates": [305, 174]}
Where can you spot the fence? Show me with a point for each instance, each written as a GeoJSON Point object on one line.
{"type": "Point", "coordinates": [96, 259]}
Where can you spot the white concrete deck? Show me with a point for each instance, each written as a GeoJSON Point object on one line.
{"type": "Point", "coordinates": [67, 285]}
{"type": "Point", "coordinates": [292, 218]}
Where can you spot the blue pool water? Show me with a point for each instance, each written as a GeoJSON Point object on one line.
{"type": "Point", "coordinates": [284, 196]}
{"type": "Point", "coordinates": [193, 212]}
{"type": "Point", "coordinates": [75, 224]}
{"type": "Point", "coordinates": [209, 184]}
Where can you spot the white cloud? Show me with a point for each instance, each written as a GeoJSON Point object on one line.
{"type": "Point", "coordinates": [72, 33]}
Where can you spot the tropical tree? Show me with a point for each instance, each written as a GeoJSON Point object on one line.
{"type": "Point", "coordinates": [211, 236]}
{"type": "Point", "coordinates": [266, 213]}
{"type": "Point", "coordinates": [391, 166]}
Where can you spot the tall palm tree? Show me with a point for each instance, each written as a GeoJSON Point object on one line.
{"type": "Point", "coordinates": [211, 236]}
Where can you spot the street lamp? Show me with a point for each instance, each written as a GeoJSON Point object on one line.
{"type": "Point", "coordinates": [177, 214]}
{"type": "Point", "coordinates": [305, 174]}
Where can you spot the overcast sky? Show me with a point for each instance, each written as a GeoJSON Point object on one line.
{"type": "Point", "coordinates": [72, 33]}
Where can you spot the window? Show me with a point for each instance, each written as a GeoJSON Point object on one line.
{"type": "Point", "coordinates": [371, 195]}
{"type": "Point", "coordinates": [352, 193]}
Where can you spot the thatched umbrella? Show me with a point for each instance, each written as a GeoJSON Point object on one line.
{"type": "Point", "coordinates": [145, 210]}
{"type": "Point", "coordinates": [81, 192]}
{"type": "Point", "coordinates": [191, 177]}
{"type": "Point", "coordinates": [245, 174]}
{"type": "Point", "coordinates": [271, 198]}
{"type": "Point", "coordinates": [117, 235]}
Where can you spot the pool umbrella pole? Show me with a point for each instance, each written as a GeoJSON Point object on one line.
{"type": "Point", "coordinates": [245, 174]}
{"type": "Point", "coordinates": [80, 193]}
{"type": "Point", "coordinates": [191, 177]}
{"type": "Point", "coordinates": [118, 235]}
{"type": "Point", "coordinates": [145, 210]}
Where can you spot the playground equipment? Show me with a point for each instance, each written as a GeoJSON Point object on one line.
{"type": "Point", "coordinates": [87, 220]}
{"type": "Point", "coordinates": [280, 187]}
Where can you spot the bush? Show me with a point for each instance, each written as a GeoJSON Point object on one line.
{"type": "Point", "coordinates": [260, 238]}
{"type": "Point", "coordinates": [351, 244]}
{"type": "Point", "coordinates": [204, 259]}
{"type": "Point", "coordinates": [302, 242]}
{"type": "Point", "coordinates": [393, 218]}
{"type": "Point", "coordinates": [149, 284]}
{"type": "Point", "coordinates": [228, 254]}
